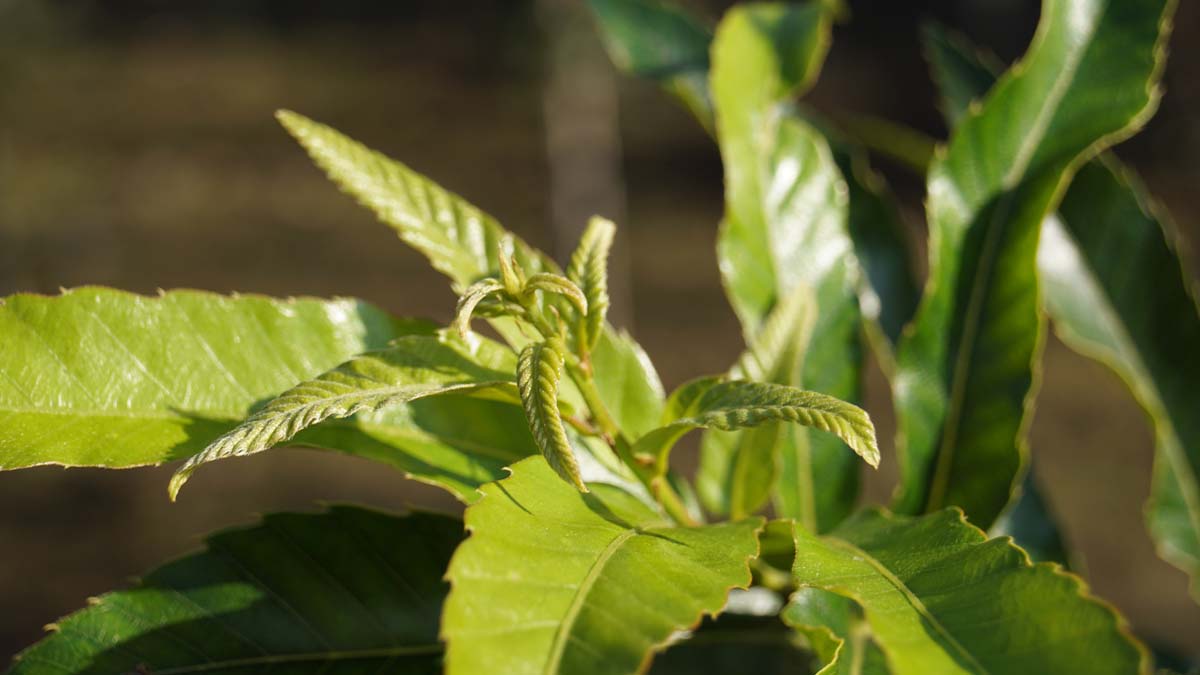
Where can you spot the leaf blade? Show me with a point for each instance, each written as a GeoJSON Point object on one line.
{"type": "Point", "coordinates": [539, 370]}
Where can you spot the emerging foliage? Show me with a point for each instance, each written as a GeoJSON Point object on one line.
{"type": "Point", "coordinates": [538, 373]}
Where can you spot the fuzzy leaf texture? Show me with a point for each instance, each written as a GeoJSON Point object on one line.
{"type": "Point", "coordinates": [464, 243]}
{"type": "Point", "coordinates": [785, 226]}
{"type": "Point", "coordinates": [940, 599]}
{"type": "Point", "coordinates": [965, 374]}
{"type": "Point", "coordinates": [98, 377]}
{"type": "Point", "coordinates": [589, 271]}
{"type": "Point", "coordinates": [554, 581]}
{"type": "Point", "coordinates": [712, 403]}
{"type": "Point", "coordinates": [538, 372]}
{"type": "Point", "coordinates": [414, 367]}
{"type": "Point", "coordinates": [1114, 286]}
{"type": "Point", "coordinates": [341, 592]}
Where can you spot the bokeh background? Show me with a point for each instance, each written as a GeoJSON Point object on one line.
{"type": "Point", "coordinates": [138, 150]}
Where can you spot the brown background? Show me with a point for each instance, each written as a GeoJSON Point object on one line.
{"type": "Point", "coordinates": [138, 150]}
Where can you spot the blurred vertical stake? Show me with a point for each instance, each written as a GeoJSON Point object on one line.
{"type": "Point", "coordinates": [583, 141]}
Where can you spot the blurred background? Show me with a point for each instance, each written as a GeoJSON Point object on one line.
{"type": "Point", "coordinates": [138, 150]}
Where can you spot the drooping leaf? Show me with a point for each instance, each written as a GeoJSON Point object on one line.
{"type": "Point", "coordinates": [712, 403]}
{"type": "Point", "coordinates": [739, 469]}
{"type": "Point", "coordinates": [660, 42]}
{"type": "Point", "coordinates": [559, 285]}
{"type": "Point", "coordinates": [785, 225]}
{"type": "Point", "coordinates": [412, 368]}
{"type": "Point", "coordinates": [1112, 283]}
{"type": "Point", "coordinates": [341, 592]}
{"type": "Point", "coordinates": [97, 377]}
{"type": "Point", "coordinates": [965, 374]}
{"type": "Point", "coordinates": [589, 271]}
{"type": "Point", "coordinates": [465, 244]}
{"type": "Point", "coordinates": [555, 581]}
{"type": "Point", "coordinates": [940, 598]}
{"type": "Point", "coordinates": [837, 631]}
{"type": "Point", "coordinates": [538, 371]}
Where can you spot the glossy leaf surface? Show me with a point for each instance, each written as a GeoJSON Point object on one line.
{"type": "Point", "coordinates": [412, 368]}
{"type": "Point", "coordinates": [97, 377]}
{"type": "Point", "coordinates": [555, 581]}
{"type": "Point", "coordinates": [342, 592]}
{"type": "Point", "coordinates": [965, 374]}
{"type": "Point", "coordinates": [940, 598]}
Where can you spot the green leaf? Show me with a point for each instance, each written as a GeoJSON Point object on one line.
{"type": "Point", "coordinates": [837, 631]}
{"type": "Point", "coordinates": [965, 373]}
{"type": "Point", "coordinates": [559, 285]}
{"type": "Point", "coordinates": [470, 299]}
{"type": "Point", "coordinates": [940, 598]}
{"type": "Point", "coordinates": [712, 403]}
{"type": "Point", "coordinates": [735, 644]}
{"type": "Point", "coordinates": [346, 591]}
{"type": "Point", "coordinates": [589, 271]}
{"type": "Point", "coordinates": [1031, 525]}
{"type": "Point", "coordinates": [466, 244]}
{"type": "Point", "coordinates": [662, 43]}
{"type": "Point", "coordinates": [785, 225]}
{"type": "Point", "coordinates": [1112, 283]}
{"type": "Point", "coordinates": [97, 377]}
{"type": "Point", "coordinates": [555, 581]}
{"type": "Point", "coordinates": [414, 367]}
{"type": "Point", "coordinates": [538, 371]}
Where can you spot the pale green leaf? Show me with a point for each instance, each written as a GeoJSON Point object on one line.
{"type": "Point", "coordinates": [412, 368]}
{"type": "Point", "coordinates": [538, 372]}
{"type": "Point", "coordinates": [559, 285]}
{"type": "Point", "coordinates": [470, 299]}
{"type": "Point", "coordinates": [97, 377]}
{"type": "Point", "coordinates": [589, 271]}
{"type": "Point", "coordinates": [342, 592]}
{"type": "Point", "coordinates": [554, 581]}
{"type": "Point", "coordinates": [965, 373]}
{"type": "Point", "coordinates": [627, 382]}
{"type": "Point", "coordinates": [940, 598]}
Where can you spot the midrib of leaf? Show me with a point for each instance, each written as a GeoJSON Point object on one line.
{"type": "Point", "coordinates": [317, 657]}
{"type": "Point", "coordinates": [563, 634]}
{"type": "Point", "coordinates": [909, 596]}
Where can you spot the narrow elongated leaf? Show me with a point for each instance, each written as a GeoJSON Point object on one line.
{"type": "Point", "coordinates": [965, 374]}
{"type": "Point", "coordinates": [712, 403]}
{"type": "Point", "coordinates": [538, 372]}
{"type": "Point", "coordinates": [589, 271]}
{"type": "Point", "coordinates": [465, 244]}
{"type": "Point", "coordinates": [346, 591]}
{"type": "Point", "coordinates": [1112, 283]}
{"type": "Point", "coordinates": [660, 42]}
{"type": "Point", "coordinates": [940, 598]}
{"type": "Point", "coordinates": [837, 631]}
{"type": "Point", "coordinates": [97, 377]}
{"type": "Point", "coordinates": [555, 581]}
{"type": "Point", "coordinates": [414, 367]}
{"type": "Point", "coordinates": [785, 225]}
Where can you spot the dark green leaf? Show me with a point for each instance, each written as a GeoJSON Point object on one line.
{"type": "Point", "coordinates": [735, 644]}
{"type": "Point", "coordinates": [837, 631]}
{"type": "Point", "coordinates": [347, 591]}
{"type": "Point", "coordinates": [941, 598]}
{"type": "Point", "coordinates": [965, 373]}
{"type": "Point", "coordinates": [555, 581]}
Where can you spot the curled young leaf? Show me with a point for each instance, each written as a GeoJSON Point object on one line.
{"type": "Point", "coordinates": [539, 369]}
{"type": "Point", "coordinates": [553, 283]}
{"type": "Point", "coordinates": [589, 271]}
{"type": "Point", "coordinates": [470, 299]}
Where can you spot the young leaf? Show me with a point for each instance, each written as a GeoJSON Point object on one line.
{"type": "Point", "coordinates": [97, 377]}
{"type": "Point", "coordinates": [941, 598]}
{"type": "Point", "coordinates": [470, 299]}
{"type": "Point", "coordinates": [466, 244]}
{"type": "Point", "coordinates": [659, 42]}
{"type": "Point", "coordinates": [345, 591]}
{"type": "Point", "coordinates": [1112, 283]}
{"type": "Point", "coordinates": [414, 367]}
{"type": "Point", "coordinates": [965, 373]}
{"type": "Point", "coordinates": [716, 404]}
{"type": "Point", "coordinates": [554, 581]}
{"type": "Point", "coordinates": [538, 372]}
{"type": "Point", "coordinates": [589, 271]}
{"type": "Point", "coordinates": [559, 285]}
{"type": "Point", "coordinates": [785, 225]}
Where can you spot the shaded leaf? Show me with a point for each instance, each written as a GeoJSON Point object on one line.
{"type": "Point", "coordinates": [98, 377]}
{"type": "Point", "coordinates": [965, 374]}
{"type": "Point", "coordinates": [538, 371]}
{"type": "Point", "coordinates": [414, 367]}
{"type": "Point", "coordinates": [837, 631]}
{"type": "Point", "coordinates": [589, 271]}
{"type": "Point", "coordinates": [735, 644]}
{"type": "Point", "coordinates": [620, 582]}
{"type": "Point", "coordinates": [941, 598]}
{"type": "Point", "coordinates": [346, 591]}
